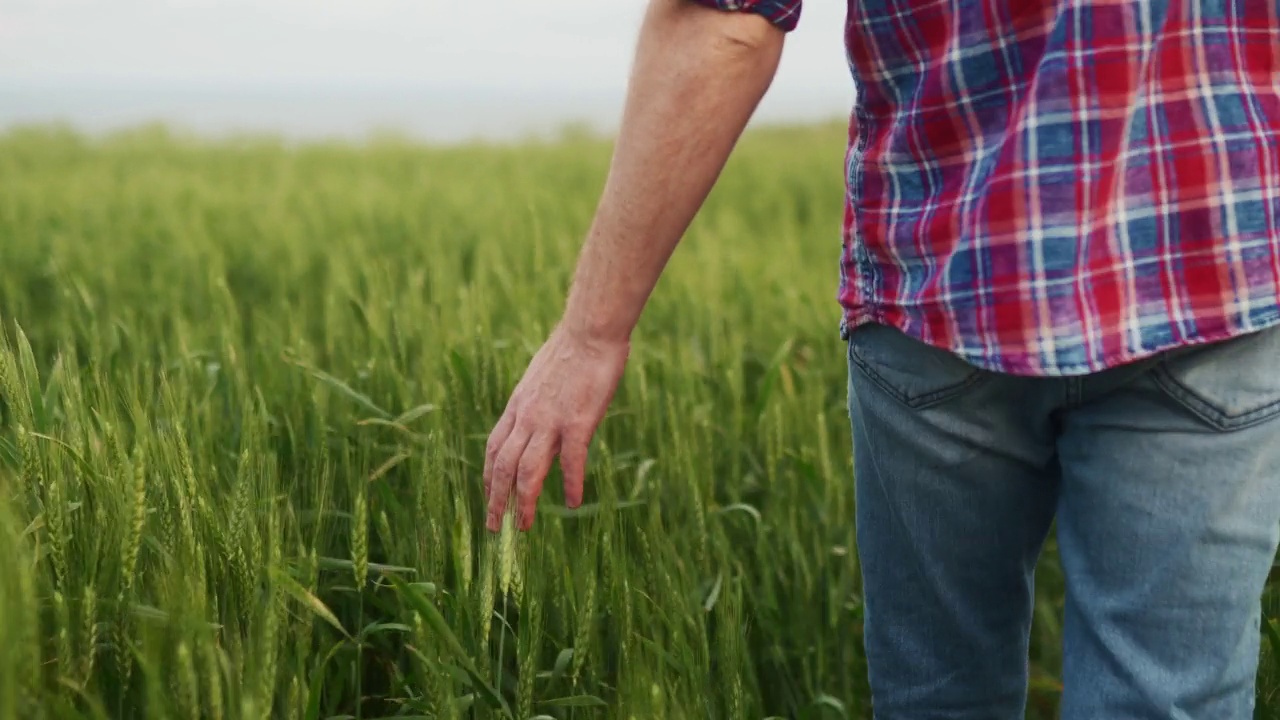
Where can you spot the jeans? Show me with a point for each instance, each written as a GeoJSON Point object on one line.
{"type": "Point", "coordinates": [1162, 479]}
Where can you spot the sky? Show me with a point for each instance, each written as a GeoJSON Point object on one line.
{"type": "Point", "coordinates": [439, 69]}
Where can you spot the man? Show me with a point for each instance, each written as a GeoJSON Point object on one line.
{"type": "Point", "coordinates": [1060, 278]}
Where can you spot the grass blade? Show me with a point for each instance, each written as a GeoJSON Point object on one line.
{"type": "Point", "coordinates": [342, 388]}
{"type": "Point", "coordinates": [432, 616]}
{"type": "Point", "coordinates": [317, 682]}
{"type": "Point", "coordinates": [1273, 634]}
{"type": "Point", "coordinates": [315, 604]}
{"type": "Point", "coordinates": [575, 701]}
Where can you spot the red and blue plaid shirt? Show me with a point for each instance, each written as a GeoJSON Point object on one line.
{"type": "Point", "coordinates": [1055, 187]}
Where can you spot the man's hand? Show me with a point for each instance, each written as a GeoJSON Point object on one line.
{"type": "Point", "coordinates": [555, 409]}
{"type": "Point", "coordinates": [699, 75]}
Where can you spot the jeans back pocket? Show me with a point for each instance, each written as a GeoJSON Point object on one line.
{"type": "Point", "coordinates": [919, 375]}
{"type": "Point", "coordinates": [1230, 384]}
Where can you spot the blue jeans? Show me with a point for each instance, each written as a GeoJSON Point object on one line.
{"type": "Point", "coordinates": [1163, 478]}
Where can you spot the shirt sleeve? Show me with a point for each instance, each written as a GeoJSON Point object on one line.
{"type": "Point", "coordinates": [785, 14]}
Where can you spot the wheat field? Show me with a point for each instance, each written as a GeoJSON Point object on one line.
{"type": "Point", "coordinates": [246, 387]}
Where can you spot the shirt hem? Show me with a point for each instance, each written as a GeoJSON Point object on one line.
{"type": "Point", "coordinates": [852, 320]}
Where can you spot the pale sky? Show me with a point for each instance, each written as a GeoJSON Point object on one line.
{"type": "Point", "coordinates": [205, 62]}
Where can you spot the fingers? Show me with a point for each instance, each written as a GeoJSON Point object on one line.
{"type": "Point", "coordinates": [534, 466]}
{"type": "Point", "coordinates": [505, 464]}
{"type": "Point", "coordinates": [573, 464]}
{"type": "Point", "coordinates": [495, 443]}
{"type": "Point", "coordinates": [518, 456]}
{"type": "Point", "coordinates": [522, 464]}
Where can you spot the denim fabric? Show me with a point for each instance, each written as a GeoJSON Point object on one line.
{"type": "Point", "coordinates": [1163, 478]}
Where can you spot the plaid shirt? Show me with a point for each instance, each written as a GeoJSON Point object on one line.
{"type": "Point", "coordinates": [1055, 187]}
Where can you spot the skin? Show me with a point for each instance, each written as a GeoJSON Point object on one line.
{"type": "Point", "coordinates": [698, 76]}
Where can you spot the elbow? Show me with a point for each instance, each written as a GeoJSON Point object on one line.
{"type": "Point", "coordinates": [733, 33]}
{"type": "Point", "coordinates": [750, 34]}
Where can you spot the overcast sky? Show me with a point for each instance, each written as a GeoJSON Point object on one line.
{"type": "Point", "coordinates": [104, 61]}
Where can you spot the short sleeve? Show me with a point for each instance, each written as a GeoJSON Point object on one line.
{"type": "Point", "coordinates": [784, 14]}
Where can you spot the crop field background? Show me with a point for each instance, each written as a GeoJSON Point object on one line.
{"type": "Point", "coordinates": [246, 388]}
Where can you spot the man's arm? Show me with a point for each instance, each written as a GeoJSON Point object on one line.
{"type": "Point", "coordinates": [698, 76]}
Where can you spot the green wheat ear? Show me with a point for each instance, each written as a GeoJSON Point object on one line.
{"type": "Point", "coordinates": [88, 632]}
{"type": "Point", "coordinates": [360, 539]}
{"type": "Point", "coordinates": [63, 625]}
{"type": "Point", "coordinates": [486, 592]}
{"type": "Point", "coordinates": [462, 541]}
{"type": "Point", "coordinates": [188, 683]}
{"type": "Point", "coordinates": [508, 539]}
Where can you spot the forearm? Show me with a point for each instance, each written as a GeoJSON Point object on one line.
{"type": "Point", "coordinates": [698, 76]}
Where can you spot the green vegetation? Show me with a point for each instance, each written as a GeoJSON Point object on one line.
{"type": "Point", "coordinates": [246, 389]}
